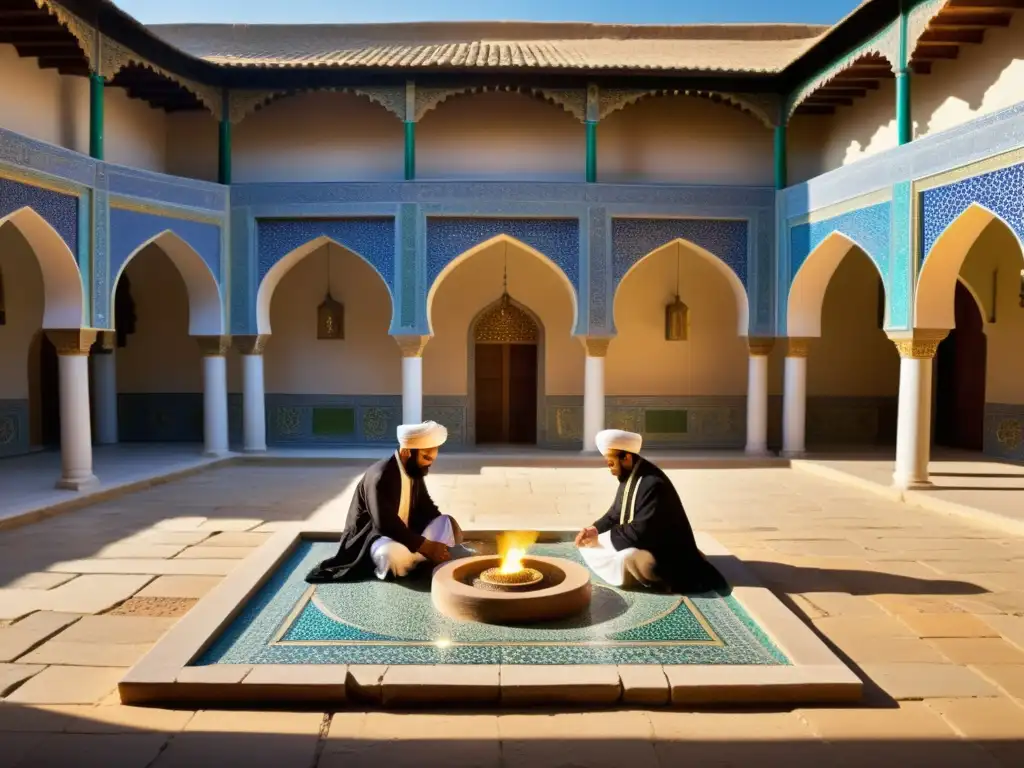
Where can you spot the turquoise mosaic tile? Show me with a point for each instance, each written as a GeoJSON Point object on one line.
{"type": "Point", "coordinates": [393, 622]}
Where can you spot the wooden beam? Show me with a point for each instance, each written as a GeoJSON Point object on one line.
{"type": "Point", "coordinates": [854, 82]}
{"type": "Point", "coordinates": [828, 101]}
{"type": "Point", "coordinates": [48, 52]}
{"type": "Point", "coordinates": [955, 6]}
{"type": "Point", "coordinates": [927, 50]}
{"type": "Point", "coordinates": [63, 62]}
{"type": "Point", "coordinates": [71, 44]}
{"type": "Point", "coordinates": [21, 15]}
{"type": "Point", "coordinates": [858, 71]}
{"type": "Point", "coordinates": [838, 90]}
{"type": "Point", "coordinates": [808, 109]}
{"type": "Point", "coordinates": [946, 35]}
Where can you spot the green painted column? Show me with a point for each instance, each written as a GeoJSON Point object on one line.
{"type": "Point", "coordinates": [591, 151]}
{"type": "Point", "coordinates": [95, 116]}
{"type": "Point", "coordinates": [780, 157]}
{"type": "Point", "coordinates": [410, 150]}
{"type": "Point", "coordinates": [904, 125]}
{"type": "Point", "coordinates": [224, 152]}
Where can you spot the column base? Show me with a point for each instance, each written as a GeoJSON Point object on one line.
{"type": "Point", "coordinates": [217, 454]}
{"type": "Point", "coordinates": [909, 484]}
{"type": "Point", "coordinates": [792, 454]}
{"type": "Point", "coordinates": [757, 451]}
{"type": "Point", "coordinates": [77, 483]}
{"type": "Point", "coordinates": [255, 450]}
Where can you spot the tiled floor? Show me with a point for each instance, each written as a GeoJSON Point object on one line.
{"type": "Point", "coordinates": [928, 608]}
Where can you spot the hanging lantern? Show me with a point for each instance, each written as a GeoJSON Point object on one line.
{"type": "Point", "coordinates": [677, 321]}
{"type": "Point", "coordinates": [677, 314]}
{"type": "Point", "coordinates": [330, 315]}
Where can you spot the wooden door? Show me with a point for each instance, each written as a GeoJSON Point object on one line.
{"type": "Point", "coordinates": [960, 369]}
{"type": "Point", "coordinates": [506, 393]}
{"type": "Point", "coordinates": [490, 393]}
{"type": "Point", "coordinates": [522, 400]}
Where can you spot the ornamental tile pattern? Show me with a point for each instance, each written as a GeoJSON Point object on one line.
{"type": "Point", "coordinates": [867, 227]}
{"type": "Point", "coordinates": [371, 238]}
{"type": "Point", "coordinates": [129, 230]}
{"type": "Point", "coordinates": [633, 239]}
{"type": "Point", "coordinates": [345, 624]}
{"type": "Point", "coordinates": [1001, 191]}
{"type": "Point", "coordinates": [450, 237]}
{"type": "Point", "coordinates": [59, 210]}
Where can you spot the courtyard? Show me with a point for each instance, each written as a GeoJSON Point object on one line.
{"type": "Point", "coordinates": [927, 608]}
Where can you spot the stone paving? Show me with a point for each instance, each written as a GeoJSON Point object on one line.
{"type": "Point", "coordinates": [928, 608]}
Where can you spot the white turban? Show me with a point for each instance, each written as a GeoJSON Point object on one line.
{"type": "Point", "coordinates": [618, 440]}
{"type": "Point", "coordinates": [429, 434]}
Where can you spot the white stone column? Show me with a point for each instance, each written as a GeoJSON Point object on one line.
{"type": "Point", "coordinates": [104, 381]}
{"type": "Point", "coordinates": [215, 393]}
{"type": "Point", "coordinates": [593, 391]}
{"type": "Point", "coordinates": [412, 377]}
{"type": "Point", "coordinates": [914, 419]}
{"type": "Point", "coordinates": [794, 399]}
{"type": "Point", "coordinates": [254, 410]}
{"type": "Point", "coordinates": [75, 428]}
{"type": "Point", "coordinates": [757, 396]}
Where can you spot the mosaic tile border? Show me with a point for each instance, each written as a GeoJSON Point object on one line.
{"type": "Point", "coordinates": [165, 675]}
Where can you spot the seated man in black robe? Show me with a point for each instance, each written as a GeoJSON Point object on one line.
{"type": "Point", "coordinates": [645, 538]}
{"type": "Point", "coordinates": [393, 525]}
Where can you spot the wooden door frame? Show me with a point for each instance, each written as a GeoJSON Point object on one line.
{"type": "Point", "coordinates": [471, 374]}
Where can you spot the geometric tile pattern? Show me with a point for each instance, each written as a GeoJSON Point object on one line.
{"type": "Point", "coordinates": [867, 227]}
{"type": "Point", "coordinates": [371, 238]}
{"type": "Point", "coordinates": [632, 239]}
{"type": "Point", "coordinates": [450, 237]}
{"type": "Point", "coordinates": [1001, 191]}
{"type": "Point", "coordinates": [130, 229]}
{"type": "Point", "coordinates": [394, 622]}
{"type": "Point", "coordinates": [59, 210]}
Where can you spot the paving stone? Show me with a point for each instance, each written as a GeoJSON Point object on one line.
{"type": "Point", "coordinates": [924, 681]}
{"type": "Point", "coordinates": [95, 750]}
{"type": "Point", "coordinates": [364, 681]}
{"type": "Point", "coordinates": [300, 682]}
{"type": "Point", "coordinates": [239, 539]}
{"type": "Point", "coordinates": [406, 684]}
{"type": "Point", "coordinates": [980, 650]}
{"type": "Point", "coordinates": [13, 675]}
{"type": "Point", "coordinates": [182, 538]}
{"type": "Point", "coordinates": [721, 726]}
{"type": "Point", "coordinates": [1010, 627]}
{"type": "Point", "coordinates": [843, 604]}
{"type": "Point", "coordinates": [553, 684]}
{"type": "Point", "coordinates": [115, 718]}
{"type": "Point", "coordinates": [150, 567]}
{"type": "Point", "coordinates": [644, 684]}
{"type": "Point", "coordinates": [269, 749]}
{"type": "Point", "coordinates": [236, 721]}
{"type": "Point", "coordinates": [94, 593]}
{"type": "Point", "coordinates": [229, 524]}
{"type": "Point", "coordinates": [204, 551]}
{"type": "Point", "coordinates": [910, 720]}
{"type": "Point", "coordinates": [595, 739]}
{"type": "Point", "coordinates": [842, 628]}
{"type": "Point", "coordinates": [41, 580]}
{"type": "Point", "coordinates": [67, 685]}
{"type": "Point", "coordinates": [154, 607]}
{"type": "Point", "coordinates": [988, 718]}
{"type": "Point", "coordinates": [18, 639]}
{"type": "Point", "coordinates": [892, 649]}
{"type": "Point", "coordinates": [136, 549]}
{"type": "Point", "coordinates": [87, 654]}
{"type": "Point", "coordinates": [182, 524]}
{"type": "Point", "coordinates": [945, 625]}
{"type": "Point", "coordinates": [180, 586]}
{"type": "Point", "coordinates": [18, 603]}
{"type": "Point", "coordinates": [116, 629]}
{"type": "Point", "coordinates": [1009, 677]}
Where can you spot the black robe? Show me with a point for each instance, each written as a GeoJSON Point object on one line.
{"type": "Point", "coordinates": [648, 514]}
{"type": "Point", "coordinates": [372, 514]}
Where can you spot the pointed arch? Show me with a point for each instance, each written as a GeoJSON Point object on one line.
{"type": "Point", "coordinates": [548, 262]}
{"type": "Point", "coordinates": [807, 291]}
{"type": "Point", "coordinates": [205, 308]}
{"type": "Point", "coordinates": [738, 291]}
{"type": "Point", "coordinates": [274, 275]}
{"type": "Point", "coordinates": [63, 293]}
{"type": "Point", "coordinates": [936, 282]}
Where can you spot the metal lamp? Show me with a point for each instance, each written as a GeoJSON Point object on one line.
{"type": "Point", "coordinates": [330, 315]}
{"type": "Point", "coordinates": [677, 314]}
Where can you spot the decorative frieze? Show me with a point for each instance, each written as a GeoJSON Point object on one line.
{"type": "Point", "coordinates": [72, 341]}
{"type": "Point", "coordinates": [250, 345]}
{"type": "Point", "coordinates": [596, 346]}
{"type": "Point", "coordinates": [797, 347]}
{"type": "Point", "coordinates": [412, 346]}
{"type": "Point", "coordinates": [213, 346]}
{"type": "Point", "coordinates": [760, 346]}
{"type": "Point", "coordinates": [921, 344]}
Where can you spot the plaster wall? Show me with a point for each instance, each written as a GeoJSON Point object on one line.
{"type": "Point", "coordinates": [192, 145]}
{"type": "Point", "coordinates": [23, 299]}
{"type": "Point", "coordinates": [713, 361]}
{"type": "Point", "coordinates": [475, 284]}
{"type": "Point", "coordinates": [683, 140]}
{"type": "Point", "coordinates": [982, 79]}
{"type": "Point", "coordinates": [996, 251]}
{"type": "Point", "coordinates": [366, 362]}
{"type": "Point", "coordinates": [54, 108]}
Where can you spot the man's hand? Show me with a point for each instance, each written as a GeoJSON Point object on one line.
{"type": "Point", "coordinates": [587, 537]}
{"type": "Point", "coordinates": [435, 551]}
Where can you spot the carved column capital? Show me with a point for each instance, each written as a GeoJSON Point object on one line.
{"type": "Point", "coordinates": [596, 346]}
{"type": "Point", "coordinates": [760, 346]}
{"type": "Point", "coordinates": [214, 346]}
{"type": "Point", "coordinates": [919, 344]}
{"type": "Point", "coordinates": [105, 343]}
{"type": "Point", "coordinates": [72, 341]}
{"type": "Point", "coordinates": [797, 347]}
{"type": "Point", "coordinates": [250, 345]}
{"type": "Point", "coordinates": [412, 346]}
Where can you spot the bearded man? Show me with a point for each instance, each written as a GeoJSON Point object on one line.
{"type": "Point", "coordinates": [393, 525]}
{"type": "Point", "coordinates": [645, 537]}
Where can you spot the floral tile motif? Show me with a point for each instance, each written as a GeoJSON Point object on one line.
{"type": "Point", "coordinates": [373, 622]}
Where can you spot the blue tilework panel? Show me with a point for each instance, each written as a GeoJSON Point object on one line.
{"type": "Point", "coordinates": [449, 238]}
{"type": "Point", "coordinates": [131, 229]}
{"type": "Point", "coordinates": [632, 239]}
{"type": "Point", "coordinates": [374, 622]}
{"type": "Point", "coordinates": [1002, 192]}
{"type": "Point", "coordinates": [373, 239]}
{"type": "Point", "coordinates": [868, 227]}
{"type": "Point", "coordinates": [59, 210]}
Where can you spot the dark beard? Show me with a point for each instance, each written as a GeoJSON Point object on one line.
{"type": "Point", "coordinates": [623, 475]}
{"type": "Point", "coordinates": [414, 470]}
